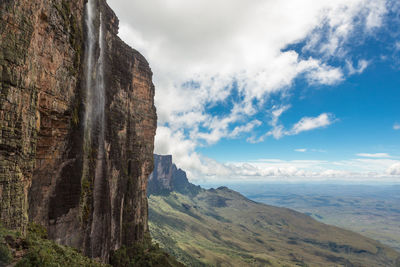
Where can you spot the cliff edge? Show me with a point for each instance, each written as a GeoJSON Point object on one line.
{"type": "Point", "coordinates": [86, 185]}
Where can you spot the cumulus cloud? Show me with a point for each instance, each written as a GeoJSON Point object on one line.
{"type": "Point", "coordinates": [215, 44]}
{"type": "Point", "coordinates": [301, 150]}
{"type": "Point", "coordinates": [394, 169]}
{"type": "Point", "coordinates": [374, 155]}
{"type": "Point", "coordinates": [396, 126]}
{"type": "Point", "coordinates": [235, 55]}
{"type": "Point", "coordinates": [325, 75]}
{"type": "Point", "coordinates": [265, 170]}
{"type": "Point", "coordinates": [307, 123]}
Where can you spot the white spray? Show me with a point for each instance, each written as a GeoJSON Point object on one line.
{"type": "Point", "coordinates": [89, 67]}
{"type": "Point", "coordinates": [94, 125]}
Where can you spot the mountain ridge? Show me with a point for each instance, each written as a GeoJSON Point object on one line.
{"type": "Point", "coordinates": [222, 227]}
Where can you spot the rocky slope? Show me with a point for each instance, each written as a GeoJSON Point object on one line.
{"type": "Point", "coordinates": [220, 227]}
{"type": "Point", "coordinates": [47, 164]}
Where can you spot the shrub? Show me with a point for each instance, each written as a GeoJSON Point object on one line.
{"type": "Point", "coordinates": [5, 254]}
{"type": "Point", "coordinates": [143, 254]}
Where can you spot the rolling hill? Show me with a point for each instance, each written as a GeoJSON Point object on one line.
{"type": "Point", "coordinates": [370, 210]}
{"type": "Point", "coordinates": [220, 227]}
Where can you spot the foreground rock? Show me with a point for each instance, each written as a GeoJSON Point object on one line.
{"type": "Point", "coordinates": [44, 176]}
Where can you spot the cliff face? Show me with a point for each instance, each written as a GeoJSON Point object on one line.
{"type": "Point", "coordinates": [39, 67]}
{"type": "Point", "coordinates": [166, 177]}
{"type": "Point", "coordinates": [89, 192]}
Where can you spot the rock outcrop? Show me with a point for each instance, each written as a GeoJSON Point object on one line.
{"type": "Point", "coordinates": [166, 178]}
{"type": "Point", "coordinates": [47, 167]}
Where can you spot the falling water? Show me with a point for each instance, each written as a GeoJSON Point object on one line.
{"type": "Point", "coordinates": [94, 128]}
{"type": "Point", "coordinates": [90, 41]}
{"type": "Point", "coordinates": [94, 72]}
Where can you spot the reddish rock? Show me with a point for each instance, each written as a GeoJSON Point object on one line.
{"type": "Point", "coordinates": [42, 146]}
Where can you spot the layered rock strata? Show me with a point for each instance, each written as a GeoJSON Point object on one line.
{"type": "Point", "coordinates": [47, 165]}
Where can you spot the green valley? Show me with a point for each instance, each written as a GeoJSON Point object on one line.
{"type": "Point", "coordinates": [220, 227]}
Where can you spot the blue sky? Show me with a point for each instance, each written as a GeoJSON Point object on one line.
{"type": "Point", "coordinates": [273, 91]}
{"type": "Point", "coordinates": [365, 107]}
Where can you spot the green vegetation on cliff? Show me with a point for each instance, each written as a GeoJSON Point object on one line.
{"type": "Point", "coordinates": [36, 250]}
{"type": "Point", "coordinates": [143, 254]}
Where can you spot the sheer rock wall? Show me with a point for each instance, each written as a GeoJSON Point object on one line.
{"type": "Point", "coordinates": [42, 146]}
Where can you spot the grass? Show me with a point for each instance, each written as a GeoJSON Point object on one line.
{"type": "Point", "coordinates": [234, 231]}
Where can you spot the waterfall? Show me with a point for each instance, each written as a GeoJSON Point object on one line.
{"type": "Point", "coordinates": [95, 89]}
{"type": "Point", "coordinates": [100, 102]}
{"type": "Point", "coordinates": [90, 41]}
{"type": "Point", "coordinates": [94, 132]}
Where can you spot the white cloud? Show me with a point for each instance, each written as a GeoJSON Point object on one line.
{"type": "Point", "coordinates": [173, 142]}
{"type": "Point", "coordinates": [374, 155]}
{"type": "Point", "coordinates": [374, 167]}
{"type": "Point", "coordinates": [278, 130]}
{"type": "Point", "coordinates": [244, 128]}
{"type": "Point", "coordinates": [202, 52]}
{"type": "Point", "coordinates": [325, 75]}
{"type": "Point", "coordinates": [265, 170]}
{"type": "Point", "coordinates": [339, 25]}
{"type": "Point", "coordinates": [215, 44]}
{"type": "Point", "coordinates": [361, 66]}
{"type": "Point", "coordinates": [396, 126]}
{"type": "Point", "coordinates": [307, 123]}
{"type": "Point", "coordinates": [394, 169]}
{"type": "Point", "coordinates": [301, 150]}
